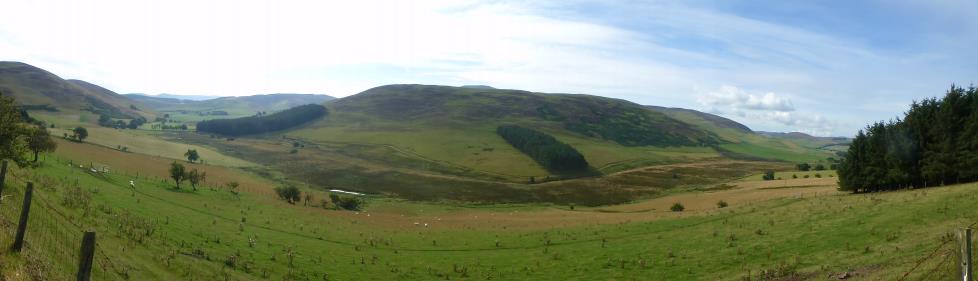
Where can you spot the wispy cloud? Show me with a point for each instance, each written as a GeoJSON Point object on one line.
{"type": "Point", "coordinates": [651, 52]}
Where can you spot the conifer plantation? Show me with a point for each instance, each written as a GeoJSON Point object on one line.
{"type": "Point", "coordinates": [935, 143]}
{"type": "Point", "coordinates": [263, 123]}
{"type": "Point", "coordinates": [543, 148]}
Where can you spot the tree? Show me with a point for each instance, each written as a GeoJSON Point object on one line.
{"type": "Point", "coordinates": [233, 187]}
{"type": "Point", "coordinates": [288, 193]}
{"type": "Point", "coordinates": [196, 177]}
{"type": "Point", "coordinates": [191, 155]}
{"type": "Point", "coordinates": [804, 167]}
{"type": "Point", "coordinates": [819, 167]}
{"type": "Point", "coordinates": [13, 137]}
{"type": "Point", "coordinates": [39, 141]}
{"type": "Point", "coordinates": [934, 143]}
{"type": "Point", "coordinates": [80, 133]}
{"type": "Point", "coordinates": [178, 173]}
{"type": "Point", "coordinates": [768, 175]}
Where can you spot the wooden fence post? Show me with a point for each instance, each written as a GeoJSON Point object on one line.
{"type": "Point", "coordinates": [3, 177]}
{"type": "Point", "coordinates": [24, 212]}
{"type": "Point", "coordinates": [966, 255]}
{"type": "Point", "coordinates": [87, 256]}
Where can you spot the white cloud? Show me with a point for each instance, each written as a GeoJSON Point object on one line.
{"type": "Point", "coordinates": [769, 110]}
{"type": "Point", "coordinates": [737, 99]}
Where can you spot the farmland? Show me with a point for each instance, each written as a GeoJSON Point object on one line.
{"type": "Point", "coordinates": [797, 226]}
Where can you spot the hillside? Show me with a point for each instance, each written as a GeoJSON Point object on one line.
{"type": "Point", "coordinates": [36, 88]}
{"type": "Point", "coordinates": [456, 126]}
{"type": "Point", "coordinates": [226, 107]}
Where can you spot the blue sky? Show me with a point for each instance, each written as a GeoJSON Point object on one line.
{"type": "Point", "coordinates": [820, 67]}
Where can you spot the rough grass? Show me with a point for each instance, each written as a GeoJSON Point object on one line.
{"type": "Point", "coordinates": [878, 236]}
{"type": "Point", "coordinates": [137, 141]}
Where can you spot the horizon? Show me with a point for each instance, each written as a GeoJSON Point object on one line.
{"type": "Point", "coordinates": [819, 68]}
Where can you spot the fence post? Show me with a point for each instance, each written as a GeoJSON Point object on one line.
{"type": "Point", "coordinates": [966, 265]}
{"type": "Point", "coordinates": [86, 257]}
{"type": "Point", "coordinates": [24, 212]}
{"type": "Point", "coordinates": [3, 177]}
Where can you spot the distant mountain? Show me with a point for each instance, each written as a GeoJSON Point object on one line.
{"type": "Point", "coordinates": [232, 106]}
{"type": "Point", "coordinates": [179, 97]}
{"type": "Point", "coordinates": [482, 87]}
{"type": "Point", "coordinates": [804, 136]}
{"type": "Point", "coordinates": [35, 87]}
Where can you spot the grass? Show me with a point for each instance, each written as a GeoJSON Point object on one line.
{"type": "Point", "coordinates": [195, 233]}
{"type": "Point", "coordinates": [789, 175]}
{"type": "Point", "coordinates": [136, 141]}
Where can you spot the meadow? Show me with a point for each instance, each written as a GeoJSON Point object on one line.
{"type": "Point", "coordinates": [803, 230]}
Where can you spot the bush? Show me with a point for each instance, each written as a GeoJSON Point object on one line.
{"type": "Point", "coordinates": [768, 175]}
{"type": "Point", "coordinates": [677, 207]}
{"type": "Point", "coordinates": [722, 204]}
{"type": "Point", "coordinates": [804, 167]}
{"type": "Point", "coordinates": [346, 202]}
{"type": "Point", "coordinates": [817, 175]}
{"type": "Point", "coordinates": [288, 193]}
{"type": "Point", "coordinates": [820, 167]}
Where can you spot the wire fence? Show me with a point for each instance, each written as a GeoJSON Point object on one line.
{"type": "Point", "coordinates": [53, 238]}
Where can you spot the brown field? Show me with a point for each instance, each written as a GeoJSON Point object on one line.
{"type": "Point", "coordinates": [401, 215]}
{"type": "Point", "coordinates": [155, 167]}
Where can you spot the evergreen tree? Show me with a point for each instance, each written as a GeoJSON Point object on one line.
{"type": "Point", "coordinates": [936, 143]}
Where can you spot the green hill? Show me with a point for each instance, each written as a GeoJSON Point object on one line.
{"type": "Point", "coordinates": [456, 126]}
{"type": "Point", "coordinates": [39, 89]}
{"type": "Point", "coordinates": [226, 107]}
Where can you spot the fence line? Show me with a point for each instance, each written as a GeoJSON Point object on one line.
{"type": "Point", "coordinates": [53, 239]}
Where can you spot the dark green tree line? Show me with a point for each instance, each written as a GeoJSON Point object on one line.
{"type": "Point", "coordinates": [935, 143]}
{"type": "Point", "coordinates": [543, 148]}
{"type": "Point", "coordinates": [263, 123]}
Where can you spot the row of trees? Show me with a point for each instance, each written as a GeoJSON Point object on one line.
{"type": "Point", "coordinates": [263, 123]}
{"type": "Point", "coordinates": [19, 135]}
{"type": "Point", "coordinates": [543, 148]}
{"type": "Point", "coordinates": [292, 194]}
{"type": "Point", "coordinates": [935, 143]}
{"type": "Point", "coordinates": [106, 121]}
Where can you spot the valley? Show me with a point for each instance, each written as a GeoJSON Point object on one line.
{"type": "Point", "coordinates": [447, 197]}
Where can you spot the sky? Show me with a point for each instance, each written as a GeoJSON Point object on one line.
{"type": "Point", "coordinates": [825, 68]}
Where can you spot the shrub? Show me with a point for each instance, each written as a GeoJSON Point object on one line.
{"type": "Point", "coordinates": [347, 202]}
{"type": "Point", "coordinates": [817, 175]}
{"type": "Point", "coordinates": [288, 193]}
{"type": "Point", "coordinates": [804, 167]}
{"type": "Point", "coordinates": [677, 207]}
{"type": "Point", "coordinates": [722, 204]}
{"type": "Point", "coordinates": [768, 175]}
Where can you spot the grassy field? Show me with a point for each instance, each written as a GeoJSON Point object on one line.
{"type": "Point", "coordinates": [137, 141]}
{"type": "Point", "coordinates": [796, 227]}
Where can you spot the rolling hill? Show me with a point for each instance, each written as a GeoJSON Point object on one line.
{"type": "Point", "coordinates": [36, 88]}
{"type": "Point", "coordinates": [455, 126]}
{"type": "Point", "coordinates": [225, 107]}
